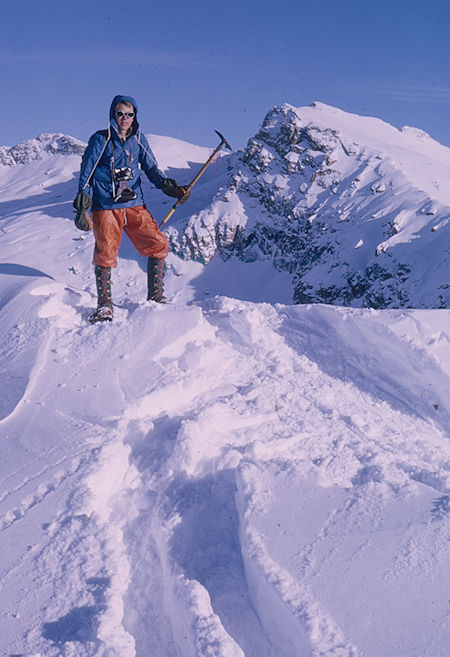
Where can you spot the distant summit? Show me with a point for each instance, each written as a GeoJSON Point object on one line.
{"type": "Point", "coordinates": [45, 144]}
{"type": "Point", "coordinates": [355, 210]}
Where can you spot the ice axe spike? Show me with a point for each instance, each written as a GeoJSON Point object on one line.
{"type": "Point", "coordinates": [223, 142]}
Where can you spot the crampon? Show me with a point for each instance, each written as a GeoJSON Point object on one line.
{"type": "Point", "coordinates": [102, 314]}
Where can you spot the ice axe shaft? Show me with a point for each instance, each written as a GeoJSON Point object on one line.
{"type": "Point", "coordinates": [223, 142]}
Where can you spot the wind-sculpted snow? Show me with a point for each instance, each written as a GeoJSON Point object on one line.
{"type": "Point", "coordinates": [221, 476]}
{"type": "Point", "coordinates": [210, 480]}
{"type": "Point", "coordinates": [356, 211]}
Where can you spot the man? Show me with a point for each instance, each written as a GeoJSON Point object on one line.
{"type": "Point", "coordinates": [112, 165]}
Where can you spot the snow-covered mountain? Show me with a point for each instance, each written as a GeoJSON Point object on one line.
{"type": "Point", "coordinates": [33, 149]}
{"type": "Point", "coordinates": [356, 211]}
{"type": "Point", "coordinates": [228, 475]}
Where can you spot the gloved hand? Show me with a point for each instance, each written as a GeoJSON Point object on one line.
{"type": "Point", "coordinates": [170, 187]}
{"type": "Point", "coordinates": [82, 203]}
{"type": "Point", "coordinates": [183, 193]}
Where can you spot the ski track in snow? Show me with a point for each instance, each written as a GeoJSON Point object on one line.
{"type": "Point", "coordinates": [184, 465]}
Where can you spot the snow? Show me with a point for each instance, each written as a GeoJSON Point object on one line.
{"type": "Point", "coordinates": [175, 153]}
{"type": "Point", "coordinates": [429, 169]}
{"type": "Point", "coordinates": [228, 475]}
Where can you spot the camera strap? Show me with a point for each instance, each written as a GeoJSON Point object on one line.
{"type": "Point", "coordinates": [113, 179]}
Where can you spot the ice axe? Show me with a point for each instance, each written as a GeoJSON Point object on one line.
{"type": "Point", "coordinates": [223, 142]}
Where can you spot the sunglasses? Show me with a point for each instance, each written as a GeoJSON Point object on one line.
{"type": "Point", "coordinates": [119, 113]}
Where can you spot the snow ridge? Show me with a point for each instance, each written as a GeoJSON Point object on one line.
{"type": "Point", "coordinates": [208, 432]}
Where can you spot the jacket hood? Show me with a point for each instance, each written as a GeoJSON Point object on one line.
{"type": "Point", "coordinates": [124, 99]}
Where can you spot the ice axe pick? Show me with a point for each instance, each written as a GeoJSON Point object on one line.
{"type": "Point", "coordinates": [223, 142]}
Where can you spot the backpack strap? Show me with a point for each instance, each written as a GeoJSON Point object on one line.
{"type": "Point", "coordinates": [107, 135]}
{"type": "Point", "coordinates": [137, 136]}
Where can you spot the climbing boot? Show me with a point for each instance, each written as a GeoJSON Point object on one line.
{"type": "Point", "coordinates": [155, 276]}
{"type": "Point", "coordinates": [104, 312]}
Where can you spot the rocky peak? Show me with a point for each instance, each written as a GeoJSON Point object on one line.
{"type": "Point", "coordinates": [44, 144]}
{"type": "Point", "coordinates": [326, 196]}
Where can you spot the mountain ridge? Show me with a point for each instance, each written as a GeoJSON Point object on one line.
{"type": "Point", "coordinates": [340, 216]}
{"type": "Point", "coordinates": [45, 143]}
{"type": "Point", "coordinates": [355, 210]}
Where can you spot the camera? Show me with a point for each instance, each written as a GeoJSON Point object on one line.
{"type": "Point", "coordinates": [124, 173]}
{"type": "Point", "coordinates": [124, 193]}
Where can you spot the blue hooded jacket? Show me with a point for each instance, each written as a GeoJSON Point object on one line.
{"type": "Point", "coordinates": [106, 152]}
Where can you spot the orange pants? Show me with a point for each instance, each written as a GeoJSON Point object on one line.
{"type": "Point", "coordinates": [137, 223]}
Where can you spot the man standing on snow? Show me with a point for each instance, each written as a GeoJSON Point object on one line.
{"type": "Point", "coordinates": [112, 165]}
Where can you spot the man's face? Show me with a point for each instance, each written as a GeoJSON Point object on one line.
{"type": "Point", "coordinates": [124, 121]}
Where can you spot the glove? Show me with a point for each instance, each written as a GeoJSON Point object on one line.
{"type": "Point", "coordinates": [82, 203]}
{"type": "Point", "coordinates": [170, 187]}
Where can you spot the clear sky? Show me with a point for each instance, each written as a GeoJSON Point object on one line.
{"type": "Point", "coordinates": [199, 65]}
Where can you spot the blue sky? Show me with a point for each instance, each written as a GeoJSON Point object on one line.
{"type": "Point", "coordinates": [199, 65]}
